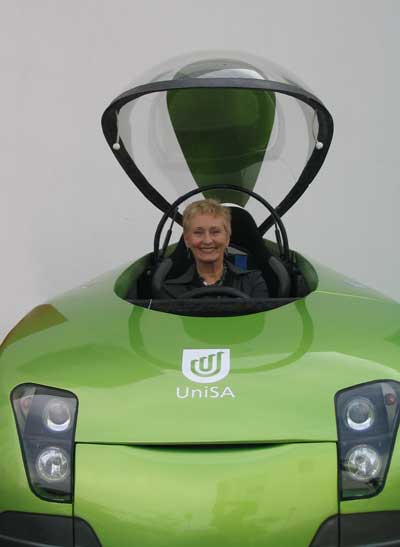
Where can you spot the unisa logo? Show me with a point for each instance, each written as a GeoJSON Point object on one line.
{"type": "Point", "coordinates": [205, 366]}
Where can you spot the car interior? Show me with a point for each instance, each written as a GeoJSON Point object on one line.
{"type": "Point", "coordinates": [142, 282]}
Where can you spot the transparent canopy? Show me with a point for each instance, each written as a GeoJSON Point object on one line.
{"type": "Point", "coordinates": [217, 118]}
{"type": "Point", "coordinates": [217, 64]}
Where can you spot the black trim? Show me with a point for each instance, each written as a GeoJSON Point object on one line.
{"type": "Point", "coordinates": [379, 529]}
{"type": "Point", "coordinates": [19, 529]}
{"type": "Point", "coordinates": [317, 158]}
{"type": "Point", "coordinates": [327, 534]}
{"type": "Point", "coordinates": [84, 535]}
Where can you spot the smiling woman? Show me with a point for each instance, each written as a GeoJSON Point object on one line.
{"type": "Point", "coordinates": [206, 233]}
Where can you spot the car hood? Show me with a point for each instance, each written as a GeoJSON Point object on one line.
{"type": "Point", "coordinates": [143, 376]}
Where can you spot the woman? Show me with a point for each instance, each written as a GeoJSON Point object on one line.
{"type": "Point", "coordinates": [206, 232]}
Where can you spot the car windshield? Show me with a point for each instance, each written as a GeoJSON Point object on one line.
{"type": "Point", "coordinates": [184, 138]}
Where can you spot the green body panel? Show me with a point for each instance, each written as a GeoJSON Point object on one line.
{"type": "Point", "coordinates": [276, 495]}
{"type": "Point", "coordinates": [124, 364]}
{"type": "Point", "coordinates": [223, 134]}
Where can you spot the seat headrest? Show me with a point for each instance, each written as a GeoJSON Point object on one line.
{"type": "Point", "coordinates": [244, 229]}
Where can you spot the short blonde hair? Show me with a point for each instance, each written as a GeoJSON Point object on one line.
{"type": "Point", "coordinates": [207, 207]}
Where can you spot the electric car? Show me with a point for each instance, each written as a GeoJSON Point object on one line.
{"type": "Point", "coordinates": [128, 418]}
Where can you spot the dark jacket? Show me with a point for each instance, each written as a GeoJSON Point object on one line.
{"type": "Point", "coordinates": [251, 282]}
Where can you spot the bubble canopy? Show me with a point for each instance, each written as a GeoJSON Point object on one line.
{"type": "Point", "coordinates": [207, 119]}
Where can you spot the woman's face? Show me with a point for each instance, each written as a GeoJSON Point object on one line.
{"type": "Point", "coordinates": [207, 238]}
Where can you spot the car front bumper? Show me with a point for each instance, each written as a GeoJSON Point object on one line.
{"type": "Point", "coordinates": [380, 529]}
{"type": "Point", "coordinates": [267, 495]}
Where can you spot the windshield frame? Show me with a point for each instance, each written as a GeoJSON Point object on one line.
{"type": "Point", "coordinates": [109, 123]}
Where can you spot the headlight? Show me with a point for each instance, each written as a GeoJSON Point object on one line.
{"type": "Point", "coordinates": [46, 419]}
{"type": "Point", "coordinates": [57, 415]}
{"type": "Point", "coordinates": [367, 418]}
{"type": "Point", "coordinates": [360, 414]}
{"type": "Point", "coordinates": [53, 464]}
{"type": "Point", "coordinates": [363, 463]}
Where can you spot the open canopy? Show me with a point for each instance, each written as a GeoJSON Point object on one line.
{"type": "Point", "coordinates": [210, 119]}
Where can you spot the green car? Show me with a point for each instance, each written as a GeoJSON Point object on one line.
{"type": "Point", "coordinates": [214, 418]}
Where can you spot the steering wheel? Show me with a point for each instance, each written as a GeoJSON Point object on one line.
{"type": "Point", "coordinates": [172, 211]}
{"type": "Point", "coordinates": [200, 292]}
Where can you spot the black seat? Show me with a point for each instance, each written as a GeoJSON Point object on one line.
{"type": "Point", "coordinates": [246, 238]}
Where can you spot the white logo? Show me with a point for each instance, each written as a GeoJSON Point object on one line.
{"type": "Point", "coordinates": [205, 366]}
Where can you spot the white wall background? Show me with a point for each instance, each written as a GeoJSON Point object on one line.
{"type": "Point", "coordinates": [67, 210]}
